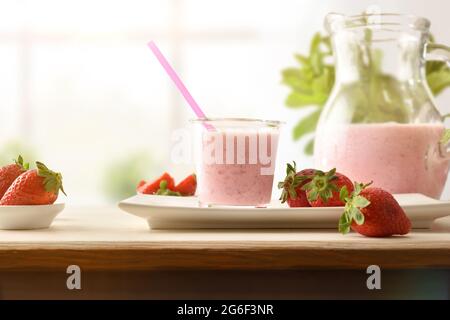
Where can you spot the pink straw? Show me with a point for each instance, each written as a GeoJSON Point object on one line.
{"type": "Point", "coordinates": [176, 79]}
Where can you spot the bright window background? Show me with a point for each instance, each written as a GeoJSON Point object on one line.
{"type": "Point", "coordinates": [80, 90]}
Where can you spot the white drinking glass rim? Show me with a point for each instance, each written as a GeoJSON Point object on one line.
{"type": "Point", "coordinates": [276, 123]}
{"type": "Point", "coordinates": [387, 19]}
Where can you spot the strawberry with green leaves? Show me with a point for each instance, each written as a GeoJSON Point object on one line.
{"type": "Point", "coordinates": [152, 187]}
{"type": "Point", "coordinates": [292, 185]}
{"type": "Point", "coordinates": [165, 186]}
{"type": "Point", "coordinates": [324, 188]}
{"type": "Point", "coordinates": [10, 173]}
{"type": "Point", "coordinates": [165, 191]}
{"type": "Point", "coordinates": [40, 186]}
{"type": "Point", "coordinates": [372, 212]}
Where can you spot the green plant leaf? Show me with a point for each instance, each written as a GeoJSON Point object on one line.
{"type": "Point", "coordinates": [433, 66]}
{"type": "Point", "coordinates": [297, 99]}
{"type": "Point", "coordinates": [304, 61]}
{"type": "Point", "coordinates": [295, 79]}
{"type": "Point", "coordinates": [327, 80]}
{"type": "Point", "coordinates": [315, 43]}
{"type": "Point", "coordinates": [316, 63]}
{"type": "Point", "coordinates": [445, 137]}
{"type": "Point", "coordinates": [438, 73]}
{"type": "Point", "coordinates": [439, 80]}
{"type": "Point", "coordinates": [306, 125]}
{"type": "Point", "coordinates": [309, 147]}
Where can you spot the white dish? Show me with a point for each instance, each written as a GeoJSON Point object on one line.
{"type": "Point", "coordinates": [28, 217]}
{"type": "Point", "coordinates": [163, 212]}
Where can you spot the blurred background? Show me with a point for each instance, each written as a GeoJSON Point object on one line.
{"type": "Point", "coordinates": [80, 90]}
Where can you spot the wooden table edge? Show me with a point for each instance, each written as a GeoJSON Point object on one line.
{"type": "Point", "coordinates": [145, 257]}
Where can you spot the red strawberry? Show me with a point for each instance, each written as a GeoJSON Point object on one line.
{"type": "Point", "coordinates": [10, 173]}
{"type": "Point", "coordinates": [373, 212]}
{"type": "Point", "coordinates": [188, 186]}
{"type": "Point", "coordinates": [152, 187]}
{"type": "Point", "coordinates": [292, 186]}
{"type": "Point", "coordinates": [324, 188]}
{"type": "Point", "coordinates": [141, 183]}
{"type": "Point", "coordinates": [34, 187]}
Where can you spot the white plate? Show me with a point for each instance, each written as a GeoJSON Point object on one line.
{"type": "Point", "coordinates": [28, 217]}
{"type": "Point", "coordinates": [163, 212]}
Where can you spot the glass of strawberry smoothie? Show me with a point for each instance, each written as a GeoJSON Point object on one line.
{"type": "Point", "coordinates": [235, 161]}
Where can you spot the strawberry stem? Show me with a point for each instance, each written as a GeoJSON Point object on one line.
{"type": "Point", "coordinates": [321, 185]}
{"type": "Point", "coordinates": [353, 205]}
{"type": "Point", "coordinates": [52, 180]}
{"type": "Point", "coordinates": [21, 164]}
{"type": "Point", "coordinates": [164, 191]}
{"type": "Point", "coordinates": [290, 183]}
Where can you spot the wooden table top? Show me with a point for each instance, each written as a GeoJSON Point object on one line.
{"type": "Point", "coordinates": [109, 239]}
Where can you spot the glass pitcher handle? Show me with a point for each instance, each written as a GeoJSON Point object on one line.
{"type": "Point", "coordinates": [439, 52]}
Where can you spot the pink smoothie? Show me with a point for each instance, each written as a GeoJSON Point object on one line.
{"type": "Point", "coordinates": [237, 167]}
{"type": "Point", "coordinates": [401, 158]}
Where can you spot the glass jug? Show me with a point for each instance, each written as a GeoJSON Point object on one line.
{"type": "Point", "coordinates": [380, 123]}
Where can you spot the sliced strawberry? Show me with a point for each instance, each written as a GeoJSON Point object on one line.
{"type": "Point", "coordinates": [140, 184]}
{"type": "Point", "coordinates": [188, 186]}
{"type": "Point", "coordinates": [153, 186]}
